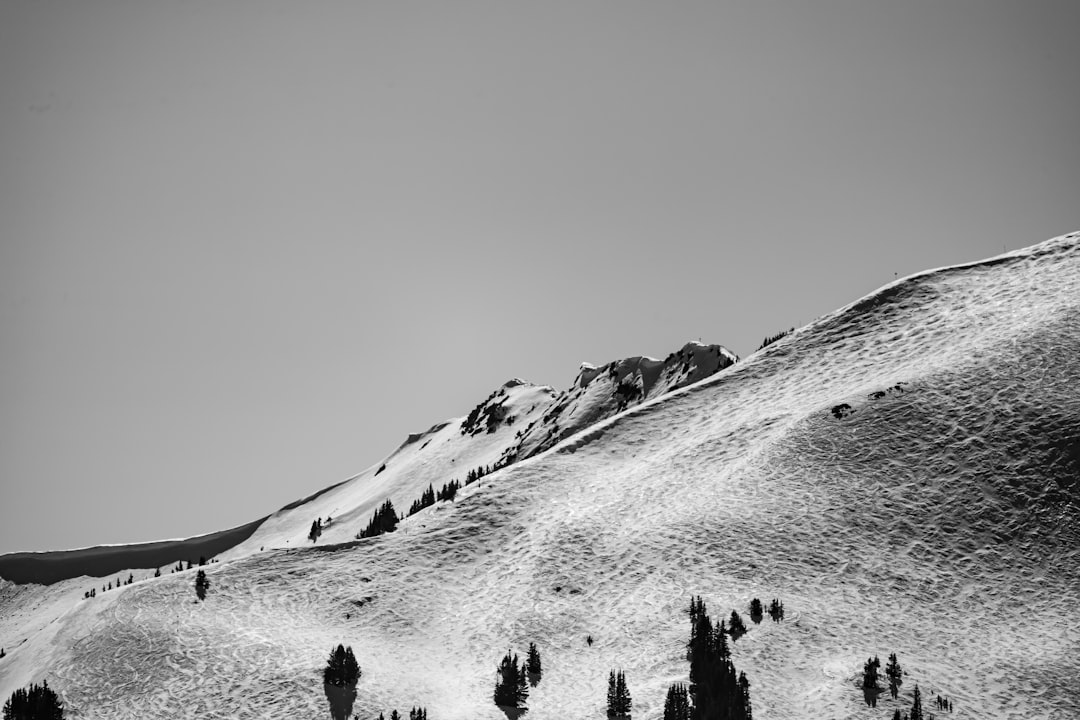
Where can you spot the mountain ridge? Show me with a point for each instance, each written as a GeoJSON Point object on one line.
{"type": "Point", "coordinates": [938, 518]}
{"type": "Point", "coordinates": [101, 561]}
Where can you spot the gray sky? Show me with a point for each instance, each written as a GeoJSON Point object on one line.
{"type": "Point", "coordinates": [246, 247]}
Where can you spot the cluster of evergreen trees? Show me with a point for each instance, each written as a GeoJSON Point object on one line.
{"type": "Point", "coordinates": [619, 703]}
{"type": "Point", "coordinates": [773, 338]}
{"type": "Point", "coordinates": [482, 470]}
{"type": "Point", "coordinates": [316, 530]}
{"type": "Point", "coordinates": [716, 692]}
{"type": "Point", "coordinates": [916, 712]}
{"type": "Point", "coordinates": [38, 702]}
{"type": "Point", "coordinates": [776, 610]}
{"type": "Point", "coordinates": [449, 490]}
{"type": "Point", "coordinates": [943, 703]}
{"type": "Point", "coordinates": [384, 520]}
{"type": "Point", "coordinates": [426, 499]}
{"type": "Point", "coordinates": [92, 592]}
{"type": "Point", "coordinates": [511, 683]}
{"type": "Point", "coordinates": [340, 676]}
{"type": "Point", "coordinates": [677, 703]}
{"type": "Point", "coordinates": [414, 714]}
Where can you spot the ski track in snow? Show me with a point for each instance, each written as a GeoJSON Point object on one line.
{"type": "Point", "coordinates": [939, 521]}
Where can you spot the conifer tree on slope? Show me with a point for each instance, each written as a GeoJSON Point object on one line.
{"type": "Point", "coordinates": [716, 692]}
{"type": "Point", "coordinates": [618, 695]}
{"type": "Point", "coordinates": [511, 685]}
{"type": "Point", "coordinates": [534, 660]}
{"type": "Point", "coordinates": [341, 669]}
{"type": "Point", "coordinates": [201, 585]}
{"type": "Point", "coordinates": [893, 671]}
{"type": "Point", "coordinates": [677, 703]}
{"type": "Point", "coordinates": [916, 705]}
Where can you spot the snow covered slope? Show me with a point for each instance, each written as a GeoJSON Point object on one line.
{"type": "Point", "coordinates": [903, 473]}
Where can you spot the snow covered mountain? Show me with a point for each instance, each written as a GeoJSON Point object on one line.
{"type": "Point", "coordinates": [904, 473]}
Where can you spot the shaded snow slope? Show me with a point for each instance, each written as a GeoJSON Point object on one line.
{"type": "Point", "coordinates": [902, 473]}
{"type": "Point", "coordinates": [101, 561]}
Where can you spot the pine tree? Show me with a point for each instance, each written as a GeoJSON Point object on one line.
{"type": "Point", "coordinates": [313, 534]}
{"type": "Point", "coordinates": [511, 685]}
{"type": "Point", "coordinates": [534, 660]}
{"type": "Point", "coordinates": [893, 671]}
{"type": "Point", "coordinates": [744, 692]}
{"type": "Point", "coordinates": [157, 572]}
{"type": "Point", "coordinates": [612, 696]}
{"type": "Point", "coordinates": [341, 669]}
{"type": "Point", "coordinates": [756, 611]}
{"type": "Point", "coordinates": [870, 675]}
{"type": "Point", "coordinates": [618, 695]}
{"type": "Point", "coordinates": [736, 627]}
{"type": "Point", "coordinates": [916, 705]}
{"type": "Point", "coordinates": [715, 689]}
{"type": "Point", "coordinates": [677, 704]}
{"type": "Point", "coordinates": [394, 715]}
{"type": "Point", "coordinates": [202, 584]}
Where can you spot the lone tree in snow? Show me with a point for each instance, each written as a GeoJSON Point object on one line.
{"type": "Point", "coordinates": [916, 705]}
{"type": "Point", "coordinates": [341, 668]}
{"type": "Point", "coordinates": [736, 627]}
{"type": "Point", "coordinates": [339, 681]}
{"type": "Point", "coordinates": [201, 585]}
{"type": "Point", "coordinates": [534, 660]}
{"type": "Point", "coordinates": [870, 673]}
{"type": "Point", "coordinates": [39, 702]}
{"type": "Point", "coordinates": [618, 696]}
{"type": "Point", "coordinates": [756, 611]}
{"type": "Point", "coordinates": [511, 686]}
{"type": "Point", "coordinates": [895, 675]}
{"type": "Point", "coordinates": [316, 530]}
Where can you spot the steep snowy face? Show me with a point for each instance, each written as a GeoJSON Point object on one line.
{"type": "Point", "coordinates": [902, 474]}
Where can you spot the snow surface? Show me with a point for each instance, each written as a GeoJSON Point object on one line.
{"type": "Point", "coordinates": [937, 517]}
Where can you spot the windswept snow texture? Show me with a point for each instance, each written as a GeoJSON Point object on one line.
{"type": "Point", "coordinates": [936, 516]}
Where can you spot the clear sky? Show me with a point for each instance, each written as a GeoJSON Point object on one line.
{"type": "Point", "coordinates": [246, 247]}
